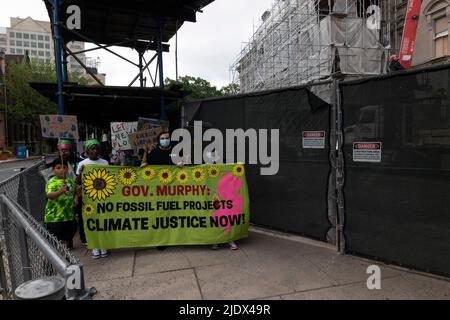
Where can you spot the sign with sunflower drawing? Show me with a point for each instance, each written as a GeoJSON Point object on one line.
{"type": "Point", "coordinates": [125, 207]}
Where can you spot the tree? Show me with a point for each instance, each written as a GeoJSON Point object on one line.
{"type": "Point", "coordinates": [230, 89]}
{"type": "Point", "coordinates": [25, 103]}
{"type": "Point", "coordinates": [200, 88]}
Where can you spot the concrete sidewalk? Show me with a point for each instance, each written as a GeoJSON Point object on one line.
{"type": "Point", "coordinates": [267, 266]}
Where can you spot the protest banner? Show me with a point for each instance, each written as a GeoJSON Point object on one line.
{"type": "Point", "coordinates": [147, 123]}
{"type": "Point", "coordinates": [125, 207]}
{"type": "Point", "coordinates": [59, 126]}
{"type": "Point", "coordinates": [119, 134]}
{"type": "Point", "coordinates": [141, 138]}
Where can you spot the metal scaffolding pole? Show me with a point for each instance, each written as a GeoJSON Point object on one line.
{"type": "Point", "coordinates": [159, 22]}
{"type": "Point", "coordinates": [65, 71]}
{"type": "Point", "coordinates": [58, 54]}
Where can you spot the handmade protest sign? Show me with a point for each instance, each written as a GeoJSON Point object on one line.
{"type": "Point", "coordinates": [126, 207]}
{"type": "Point", "coordinates": [142, 138]}
{"type": "Point", "coordinates": [119, 134]}
{"type": "Point", "coordinates": [59, 126]}
{"type": "Point", "coordinates": [147, 123]}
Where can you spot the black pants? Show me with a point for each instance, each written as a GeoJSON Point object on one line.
{"type": "Point", "coordinates": [63, 231]}
{"type": "Point", "coordinates": [78, 211]}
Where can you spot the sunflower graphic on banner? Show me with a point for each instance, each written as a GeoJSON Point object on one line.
{"type": "Point", "coordinates": [126, 207]}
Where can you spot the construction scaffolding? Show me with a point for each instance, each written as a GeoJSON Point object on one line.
{"type": "Point", "coordinates": [305, 41]}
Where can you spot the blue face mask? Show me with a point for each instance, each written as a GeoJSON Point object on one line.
{"type": "Point", "coordinates": [164, 143]}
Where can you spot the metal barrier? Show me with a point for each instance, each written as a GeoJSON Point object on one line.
{"type": "Point", "coordinates": [27, 250]}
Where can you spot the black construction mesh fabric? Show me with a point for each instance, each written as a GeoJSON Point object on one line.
{"type": "Point", "coordinates": [295, 199]}
{"type": "Point", "coordinates": [398, 209]}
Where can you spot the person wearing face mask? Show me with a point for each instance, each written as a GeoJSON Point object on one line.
{"type": "Point", "coordinates": [159, 155]}
{"type": "Point", "coordinates": [213, 158]}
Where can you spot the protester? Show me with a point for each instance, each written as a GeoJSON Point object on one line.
{"type": "Point", "coordinates": [159, 155]}
{"type": "Point", "coordinates": [105, 147]}
{"type": "Point", "coordinates": [65, 151]}
{"type": "Point", "coordinates": [65, 148]}
{"type": "Point", "coordinates": [62, 197]}
{"type": "Point", "coordinates": [92, 149]}
{"type": "Point", "coordinates": [213, 158]}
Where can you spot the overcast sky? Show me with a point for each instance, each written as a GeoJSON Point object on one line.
{"type": "Point", "coordinates": [205, 49]}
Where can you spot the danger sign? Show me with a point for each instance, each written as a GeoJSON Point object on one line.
{"type": "Point", "coordinates": [313, 139]}
{"type": "Point", "coordinates": [367, 152]}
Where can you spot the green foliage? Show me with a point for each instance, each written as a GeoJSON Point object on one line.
{"type": "Point", "coordinates": [230, 89]}
{"type": "Point", "coordinates": [25, 103]}
{"type": "Point", "coordinates": [200, 88]}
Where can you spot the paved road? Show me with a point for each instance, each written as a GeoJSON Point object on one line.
{"type": "Point", "coordinates": [8, 169]}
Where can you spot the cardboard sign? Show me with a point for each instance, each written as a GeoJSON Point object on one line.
{"type": "Point", "coordinates": [147, 123]}
{"type": "Point", "coordinates": [313, 139]}
{"type": "Point", "coordinates": [141, 138]}
{"type": "Point", "coordinates": [119, 134]}
{"type": "Point", "coordinates": [59, 126]}
{"type": "Point", "coordinates": [367, 152]}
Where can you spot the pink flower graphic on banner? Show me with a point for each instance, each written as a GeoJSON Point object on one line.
{"type": "Point", "coordinates": [227, 189]}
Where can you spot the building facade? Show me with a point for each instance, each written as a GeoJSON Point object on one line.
{"type": "Point", "coordinates": [3, 40]}
{"type": "Point", "coordinates": [303, 41]}
{"type": "Point", "coordinates": [432, 46]}
{"type": "Point", "coordinates": [35, 37]}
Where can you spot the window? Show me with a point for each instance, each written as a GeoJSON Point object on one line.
{"type": "Point", "coordinates": [26, 43]}
{"type": "Point", "coordinates": [18, 43]}
{"type": "Point", "coordinates": [12, 50]}
{"type": "Point", "coordinates": [26, 36]}
{"type": "Point", "coordinates": [41, 53]}
{"type": "Point", "coordinates": [2, 49]}
{"type": "Point", "coordinates": [47, 46]}
{"type": "Point", "coordinates": [40, 38]}
{"type": "Point", "coordinates": [3, 41]}
{"type": "Point", "coordinates": [18, 35]}
{"type": "Point", "coordinates": [32, 36]}
{"type": "Point", "coordinates": [47, 38]}
{"type": "Point", "coordinates": [441, 37]}
{"type": "Point", "coordinates": [33, 44]}
{"type": "Point", "coordinates": [11, 34]}
{"type": "Point", "coordinates": [47, 53]}
{"type": "Point", "coordinates": [33, 52]}
{"type": "Point", "coordinates": [19, 51]}
{"type": "Point", "coordinates": [12, 43]}
{"type": "Point", "coordinates": [40, 45]}
{"type": "Point", "coordinates": [437, 20]}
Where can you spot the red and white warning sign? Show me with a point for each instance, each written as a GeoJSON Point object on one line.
{"type": "Point", "coordinates": [367, 152]}
{"type": "Point", "coordinates": [314, 139]}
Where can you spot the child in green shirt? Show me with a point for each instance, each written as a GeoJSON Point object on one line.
{"type": "Point", "coordinates": [62, 197]}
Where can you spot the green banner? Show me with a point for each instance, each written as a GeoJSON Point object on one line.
{"type": "Point", "coordinates": [125, 207]}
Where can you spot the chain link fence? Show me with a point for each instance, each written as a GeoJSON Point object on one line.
{"type": "Point", "coordinates": [27, 250]}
